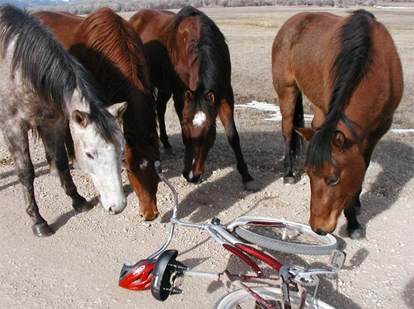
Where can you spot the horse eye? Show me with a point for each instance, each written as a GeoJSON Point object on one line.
{"type": "Point", "coordinates": [332, 181]}
{"type": "Point", "coordinates": [88, 154]}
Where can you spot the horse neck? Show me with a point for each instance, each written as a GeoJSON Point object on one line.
{"type": "Point", "coordinates": [140, 117]}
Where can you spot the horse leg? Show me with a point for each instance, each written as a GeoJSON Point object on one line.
{"type": "Point", "coordinates": [52, 166]}
{"type": "Point", "coordinates": [18, 145]}
{"type": "Point", "coordinates": [226, 114]}
{"type": "Point", "coordinates": [161, 105]}
{"type": "Point", "coordinates": [53, 139]}
{"type": "Point", "coordinates": [70, 151]}
{"type": "Point", "coordinates": [354, 229]}
{"type": "Point", "coordinates": [290, 103]}
{"type": "Point", "coordinates": [70, 148]}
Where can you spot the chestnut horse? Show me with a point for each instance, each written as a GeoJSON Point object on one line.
{"type": "Point", "coordinates": [189, 58]}
{"type": "Point", "coordinates": [350, 70]}
{"type": "Point", "coordinates": [108, 46]}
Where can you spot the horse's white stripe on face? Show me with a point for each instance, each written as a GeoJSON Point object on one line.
{"type": "Point", "coordinates": [143, 165]}
{"type": "Point", "coordinates": [199, 119]}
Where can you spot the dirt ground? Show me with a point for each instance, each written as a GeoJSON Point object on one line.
{"type": "Point", "coordinates": [78, 267]}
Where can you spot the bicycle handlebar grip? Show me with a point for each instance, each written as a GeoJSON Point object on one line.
{"type": "Point", "coordinates": [158, 168]}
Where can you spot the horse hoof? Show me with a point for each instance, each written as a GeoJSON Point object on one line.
{"type": "Point", "coordinates": [169, 151]}
{"type": "Point", "coordinates": [251, 185]}
{"type": "Point", "coordinates": [359, 233]}
{"type": "Point", "coordinates": [42, 230]}
{"type": "Point", "coordinates": [81, 205]}
{"type": "Point", "coordinates": [289, 180]}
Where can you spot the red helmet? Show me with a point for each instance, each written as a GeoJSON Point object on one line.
{"type": "Point", "coordinates": [138, 276]}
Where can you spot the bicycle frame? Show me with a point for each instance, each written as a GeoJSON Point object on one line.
{"type": "Point", "coordinates": [288, 274]}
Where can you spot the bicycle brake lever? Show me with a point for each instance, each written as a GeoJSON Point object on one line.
{"type": "Point", "coordinates": [158, 168]}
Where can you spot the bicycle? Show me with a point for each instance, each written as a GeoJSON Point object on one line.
{"type": "Point", "coordinates": [290, 288]}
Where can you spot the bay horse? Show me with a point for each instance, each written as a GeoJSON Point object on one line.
{"type": "Point", "coordinates": [112, 51]}
{"type": "Point", "coordinates": [43, 87]}
{"type": "Point", "coordinates": [349, 68]}
{"type": "Point", "coordinates": [189, 58]}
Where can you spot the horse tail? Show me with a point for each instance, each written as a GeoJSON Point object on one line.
{"type": "Point", "coordinates": [347, 70]}
{"type": "Point", "coordinates": [298, 122]}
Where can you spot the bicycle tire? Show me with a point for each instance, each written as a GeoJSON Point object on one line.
{"type": "Point", "coordinates": [236, 298]}
{"type": "Point", "coordinates": [285, 237]}
{"type": "Point", "coordinates": [165, 268]}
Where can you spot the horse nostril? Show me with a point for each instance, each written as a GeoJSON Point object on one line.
{"type": "Point", "coordinates": [111, 210]}
{"type": "Point", "coordinates": [321, 232]}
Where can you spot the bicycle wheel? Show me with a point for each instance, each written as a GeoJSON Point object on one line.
{"type": "Point", "coordinates": [285, 236]}
{"type": "Point", "coordinates": [241, 299]}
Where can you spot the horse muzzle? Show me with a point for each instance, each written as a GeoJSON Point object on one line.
{"type": "Point", "coordinates": [193, 178]}
{"type": "Point", "coordinates": [114, 207]}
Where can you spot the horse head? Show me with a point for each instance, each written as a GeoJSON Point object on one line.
{"type": "Point", "coordinates": [198, 124]}
{"type": "Point", "coordinates": [140, 155]}
{"type": "Point", "coordinates": [98, 152]}
{"type": "Point", "coordinates": [333, 184]}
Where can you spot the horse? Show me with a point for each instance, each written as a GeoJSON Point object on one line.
{"type": "Point", "coordinates": [190, 60]}
{"type": "Point", "coordinates": [43, 87]}
{"type": "Point", "coordinates": [349, 68]}
{"type": "Point", "coordinates": [112, 51]}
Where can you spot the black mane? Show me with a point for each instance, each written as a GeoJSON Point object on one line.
{"type": "Point", "coordinates": [212, 52]}
{"type": "Point", "coordinates": [347, 71]}
{"type": "Point", "coordinates": [48, 69]}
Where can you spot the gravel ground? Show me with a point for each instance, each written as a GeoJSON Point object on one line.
{"type": "Point", "coordinates": [78, 267]}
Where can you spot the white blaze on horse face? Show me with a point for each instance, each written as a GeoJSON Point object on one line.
{"type": "Point", "coordinates": [199, 119]}
{"type": "Point", "coordinates": [102, 161]}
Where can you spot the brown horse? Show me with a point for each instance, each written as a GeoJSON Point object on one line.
{"type": "Point", "coordinates": [189, 58]}
{"type": "Point", "coordinates": [109, 47]}
{"type": "Point", "coordinates": [350, 70]}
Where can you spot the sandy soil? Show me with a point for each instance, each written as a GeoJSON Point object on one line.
{"type": "Point", "coordinates": [78, 267]}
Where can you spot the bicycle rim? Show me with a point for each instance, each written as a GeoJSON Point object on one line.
{"type": "Point", "coordinates": [286, 236]}
{"type": "Point", "coordinates": [241, 299]}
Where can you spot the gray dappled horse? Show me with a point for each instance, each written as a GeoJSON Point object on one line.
{"type": "Point", "coordinates": [43, 87]}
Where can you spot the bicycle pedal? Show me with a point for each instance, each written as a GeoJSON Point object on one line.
{"type": "Point", "coordinates": [174, 291]}
{"type": "Point", "coordinates": [337, 259]}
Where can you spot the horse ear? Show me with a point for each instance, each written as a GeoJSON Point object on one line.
{"type": "Point", "coordinates": [117, 109]}
{"type": "Point", "coordinates": [306, 133]}
{"type": "Point", "coordinates": [80, 118]}
{"type": "Point", "coordinates": [188, 95]}
{"type": "Point", "coordinates": [338, 139]}
{"type": "Point", "coordinates": [210, 97]}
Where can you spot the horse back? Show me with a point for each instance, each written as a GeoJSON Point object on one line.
{"type": "Point", "coordinates": [62, 24]}
{"type": "Point", "coordinates": [303, 52]}
{"type": "Point", "coordinates": [307, 46]}
{"type": "Point", "coordinates": [154, 28]}
{"type": "Point", "coordinates": [153, 25]}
